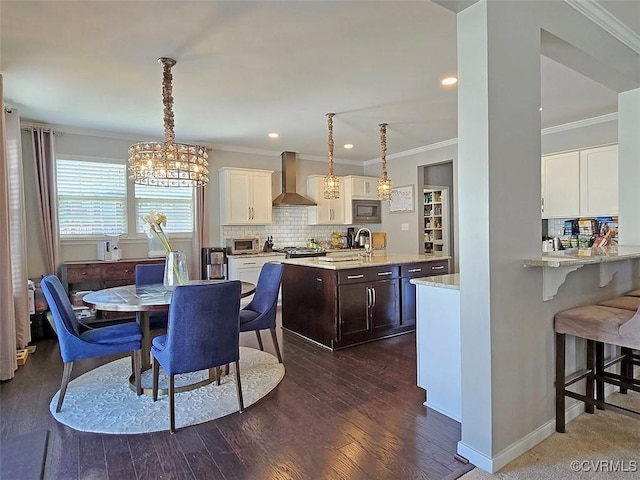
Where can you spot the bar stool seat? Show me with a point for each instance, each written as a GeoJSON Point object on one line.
{"type": "Point", "coordinates": [625, 302]}
{"type": "Point", "coordinates": [599, 325]}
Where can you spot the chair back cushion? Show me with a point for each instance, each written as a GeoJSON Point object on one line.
{"type": "Point", "coordinates": [204, 327]}
{"type": "Point", "coordinates": [63, 315]}
{"type": "Point", "coordinates": [148, 274]}
{"type": "Point", "coordinates": [265, 298]}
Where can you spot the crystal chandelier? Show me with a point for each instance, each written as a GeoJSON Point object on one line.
{"type": "Point", "coordinates": [168, 164]}
{"type": "Point", "coordinates": [331, 182]}
{"type": "Point", "coordinates": [384, 184]}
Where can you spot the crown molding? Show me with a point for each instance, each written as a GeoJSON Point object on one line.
{"type": "Point", "coordinates": [414, 151]}
{"type": "Point", "coordinates": [608, 22]}
{"type": "Point", "coordinates": [610, 117]}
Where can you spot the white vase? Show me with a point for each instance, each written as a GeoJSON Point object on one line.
{"type": "Point", "coordinates": [175, 269]}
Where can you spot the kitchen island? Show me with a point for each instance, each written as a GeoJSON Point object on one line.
{"type": "Point", "coordinates": [337, 302]}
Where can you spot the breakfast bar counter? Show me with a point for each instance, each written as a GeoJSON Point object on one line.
{"type": "Point", "coordinates": [557, 265]}
{"type": "Point", "coordinates": [339, 302]}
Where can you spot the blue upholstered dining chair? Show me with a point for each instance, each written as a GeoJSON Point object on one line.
{"type": "Point", "coordinates": [149, 274]}
{"type": "Point", "coordinates": [203, 333]}
{"type": "Point", "coordinates": [97, 342]}
{"type": "Point", "coordinates": [260, 313]}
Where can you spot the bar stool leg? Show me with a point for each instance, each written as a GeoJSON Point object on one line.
{"type": "Point", "coordinates": [591, 378]}
{"type": "Point", "coordinates": [560, 380]}
{"type": "Point", "coordinates": [599, 375]}
{"type": "Point", "coordinates": [626, 366]}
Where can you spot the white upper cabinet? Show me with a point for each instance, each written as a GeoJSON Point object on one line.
{"type": "Point", "coordinates": [245, 196]}
{"type": "Point", "coordinates": [599, 181]}
{"type": "Point", "coordinates": [561, 185]}
{"type": "Point", "coordinates": [365, 188]}
{"type": "Point", "coordinates": [581, 183]}
{"type": "Point", "coordinates": [326, 212]}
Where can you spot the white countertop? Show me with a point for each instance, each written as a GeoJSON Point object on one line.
{"type": "Point", "coordinates": [377, 260]}
{"type": "Point", "coordinates": [260, 254]}
{"type": "Point", "coordinates": [450, 281]}
{"type": "Point", "coordinates": [584, 256]}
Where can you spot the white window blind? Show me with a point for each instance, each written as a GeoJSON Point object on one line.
{"type": "Point", "coordinates": [175, 202]}
{"type": "Point", "coordinates": [92, 197]}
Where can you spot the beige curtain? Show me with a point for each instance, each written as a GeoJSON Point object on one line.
{"type": "Point", "coordinates": [200, 229]}
{"type": "Point", "coordinates": [42, 141]}
{"type": "Point", "coordinates": [14, 307]}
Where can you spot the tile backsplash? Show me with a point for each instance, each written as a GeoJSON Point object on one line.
{"type": "Point", "coordinates": [289, 229]}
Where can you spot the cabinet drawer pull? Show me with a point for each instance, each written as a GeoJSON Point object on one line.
{"type": "Point", "coordinates": [355, 276]}
{"type": "Point", "coordinates": [414, 270]}
{"type": "Point", "coordinates": [319, 280]}
{"type": "Point", "coordinates": [384, 274]}
{"type": "Point", "coordinates": [254, 263]}
{"type": "Point", "coordinates": [439, 267]}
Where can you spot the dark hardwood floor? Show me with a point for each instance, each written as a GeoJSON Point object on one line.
{"type": "Point", "coordinates": [351, 414]}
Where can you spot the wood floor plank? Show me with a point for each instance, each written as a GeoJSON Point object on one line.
{"type": "Point", "coordinates": [351, 414]}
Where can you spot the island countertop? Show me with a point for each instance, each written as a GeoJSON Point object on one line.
{"type": "Point", "coordinates": [584, 256]}
{"type": "Point", "coordinates": [450, 281]}
{"type": "Point", "coordinates": [377, 260]}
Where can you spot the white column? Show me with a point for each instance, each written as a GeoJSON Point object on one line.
{"type": "Point", "coordinates": [629, 167]}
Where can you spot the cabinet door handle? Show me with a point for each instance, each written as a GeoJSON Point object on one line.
{"type": "Point", "coordinates": [373, 297]}
{"type": "Point", "coordinates": [319, 280]}
{"type": "Point", "coordinates": [384, 274]}
{"type": "Point", "coordinates": [439, 267]}
{"type": "Point", "coordinates": [355, 276]}
{"type": "Point", "coordinates": [250, 263]}
{"type": "Point", "coordinates": [542, 205]}
{"type": "Point", "coordinates": [414, 270]}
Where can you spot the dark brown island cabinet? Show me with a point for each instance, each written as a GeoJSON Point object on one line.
{"type": "Point", "coordinates": [341, 305]}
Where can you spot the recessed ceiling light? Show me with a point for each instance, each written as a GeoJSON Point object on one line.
{"type": "Point", "coordinates": [274, 135]}
{"type": "Point", "coordinates": [449, 81]}
{"type": "Point", "coordinates": [540, 109]}
{"type": "Point", "coordinates": [348, 145]}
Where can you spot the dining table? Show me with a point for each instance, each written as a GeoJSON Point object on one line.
{"type": "Point", "coordinates": [145, 299]}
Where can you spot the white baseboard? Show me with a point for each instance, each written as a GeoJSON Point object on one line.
{"type": "Point", "coordinates": [513, 451]}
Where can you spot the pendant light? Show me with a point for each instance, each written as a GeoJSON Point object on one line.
{"type": "Point", "coordinates": [331, 182]}
{"type": "Point", "coordinates": [168, 164]}
{"type": "Point", "coordinates": [384, 184]}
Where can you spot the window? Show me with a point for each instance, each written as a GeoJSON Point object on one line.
{"type": "Point", "coordinates": [92, 198]}
{"type": "Point", "coordinates": [174, 202]}
{"type": "Point", "coordinates": [95, 197]}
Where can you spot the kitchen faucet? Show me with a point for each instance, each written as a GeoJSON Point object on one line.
{"type": "Point", "coordinates": [368, 251]}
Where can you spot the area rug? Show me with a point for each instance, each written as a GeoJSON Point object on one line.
{"type": "Point", "coordinates": [600, 445]}
{"type": "Point", "coordinates": [101, 401]}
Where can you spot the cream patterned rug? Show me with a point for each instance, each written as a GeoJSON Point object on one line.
{"type": "Point", "coordinates": [603, 445]}
{"type": "Point", "coordinates": [101, 401]}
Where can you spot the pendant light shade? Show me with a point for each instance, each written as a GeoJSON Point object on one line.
{"type": "Point", "coordinates": [384, 184]}
{"type": "Point", "coordinates": [331, 182]}
{"type": "Point", "coordinates": [168, 164]}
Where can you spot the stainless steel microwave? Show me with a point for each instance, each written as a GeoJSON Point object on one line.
{"type": "Point", "coordinates": [366, 211]}
{"type": "Point", "coordinates": [239, 246]}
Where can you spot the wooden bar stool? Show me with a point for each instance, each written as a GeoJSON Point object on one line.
{"type": "Point", "coordinates": [599, 325]}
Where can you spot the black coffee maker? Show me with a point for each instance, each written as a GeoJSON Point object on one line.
{"type": "Point", "coordinates": [351, 237]}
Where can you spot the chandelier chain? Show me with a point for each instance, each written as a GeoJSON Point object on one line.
{"type": "Point", "coordinates": [383, 149]}
{"type": "Point", "coordinates": [167, 99]}
{"type": "Point", "coordinates": [330, 141]}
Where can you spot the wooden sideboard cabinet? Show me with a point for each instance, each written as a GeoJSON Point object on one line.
{"type": "Point", "coordinates": [96, 275]}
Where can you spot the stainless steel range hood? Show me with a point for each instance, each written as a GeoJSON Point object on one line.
{"type": "Point", "coordinates": [289, 196]}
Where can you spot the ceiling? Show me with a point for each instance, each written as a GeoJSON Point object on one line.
{"type": "Point", "coordinates": [245, 69]}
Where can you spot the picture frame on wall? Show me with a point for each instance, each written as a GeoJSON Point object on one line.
{"type": "Point", "coordinates": [402, 199]}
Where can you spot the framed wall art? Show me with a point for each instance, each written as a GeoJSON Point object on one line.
{"type": "Point", "coordinates": [402, 199]}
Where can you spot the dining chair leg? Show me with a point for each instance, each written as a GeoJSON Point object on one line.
{"type": "Point", "coordinates": [137, 372]}
{"type": "Point", "coordinates": [226, 369]}
{"type": "Point", "coordinates": [172, 405]}
{"type": "Point", "coordinates": [212, 374]}
{"type": "Point", "coordinates": [155, 372]}
{"type": "Point", "coordinates": [275, 344]}
{"type": "Point", "coordinates": [218, 375]}
{"type": "Point", "coordinates": [239, 387]}
{"type": "Point", "coordinates": [259, 340]}
{"type": "Point", "coordinates": [66, 375]}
